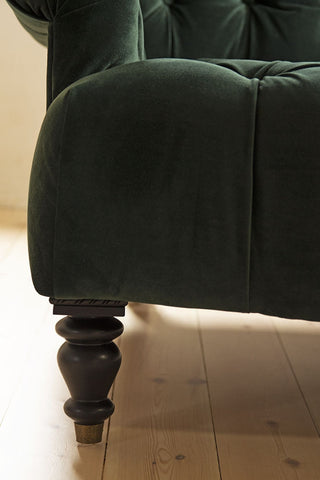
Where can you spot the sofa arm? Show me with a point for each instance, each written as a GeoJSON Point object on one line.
{"type": "Point", "coordinates": [83, 36]}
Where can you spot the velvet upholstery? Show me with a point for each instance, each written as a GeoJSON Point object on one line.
{"type": "Point", "coordinates": [179, 181]}
{"type": "Point", "coordinates": [248, 29]}
{"type": "Point", "coordinates": [83, 36]}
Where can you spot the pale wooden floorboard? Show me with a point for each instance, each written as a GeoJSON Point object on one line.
{"type": "Point", "coordinates": [18, 303]}
{"type": "Point", "coordinates": [263, 384]}
{"type": "Point", "coordinates": [36, 438]}
{"type": "Point", "coordinates": [301, 342]}
{"type": "Point", "coordinates": [162, 427]}
{"type": "Point", "coordinates": [264, 430]}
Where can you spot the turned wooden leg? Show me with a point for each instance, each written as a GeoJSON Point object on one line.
{"type": "Point", "coordinates": [89, 362]}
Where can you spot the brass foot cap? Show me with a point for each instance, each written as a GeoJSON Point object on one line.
{"type": "Point", "coordinates": [89, 433]}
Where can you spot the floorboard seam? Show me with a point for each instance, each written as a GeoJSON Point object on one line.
{"type": "Point", "coordinates": [296, 378]}
{"type": "Point", "coordinates": [208, 391]}
{"type": "Point", "coordinates": [118, 342]}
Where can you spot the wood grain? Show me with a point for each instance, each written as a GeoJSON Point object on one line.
{"type": "Point", "coordinates": [301, 343]}
{"type": "Point", "coordinates": [162, 427]}
{"type": "Point", "coordinates": [36, 438]}
{"type": "Point", "coordinates": [263, 428]}
{"type": "Point", "coordinates": [262, 374]}
{"type": "Point", "coordinates": [18, 301]}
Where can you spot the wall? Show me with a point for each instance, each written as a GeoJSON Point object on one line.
{"type": "Point", "coordinates": [22, 106]}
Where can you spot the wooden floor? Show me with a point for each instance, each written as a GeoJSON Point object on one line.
{"type": "Point", "coordinates": [201, 395]}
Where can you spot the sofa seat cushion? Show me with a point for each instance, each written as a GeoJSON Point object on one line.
{"type": "Point", "coordinates": [182, 182]}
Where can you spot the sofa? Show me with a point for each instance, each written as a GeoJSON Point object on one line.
{"type": "Point", "coordinates": [177, 164]}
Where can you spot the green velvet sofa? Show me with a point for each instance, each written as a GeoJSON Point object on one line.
{"type": "Point", "coordinates": [178, 163]}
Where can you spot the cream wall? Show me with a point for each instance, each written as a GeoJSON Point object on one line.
{"type": "Point", "coordinates": [22, 106]}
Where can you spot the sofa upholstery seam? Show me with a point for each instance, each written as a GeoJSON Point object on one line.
{"type": "Point", "coordinates": [50, 61]}
{"type": "Point", "coordinates": [152, 12]}
{"type": "Point", "coordinates": [83, 7]}
{"type": "Point", "coordinates": [171, 48]}
{"type": "Point", "coordinates": [251, 199]}
{"type": "Point", "coordinates": [49, 8]}
{"type": "Point", "coordinates": [64, 122]}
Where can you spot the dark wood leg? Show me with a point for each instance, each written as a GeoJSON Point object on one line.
{"type": "Point", "coordinates": [89, 362]}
